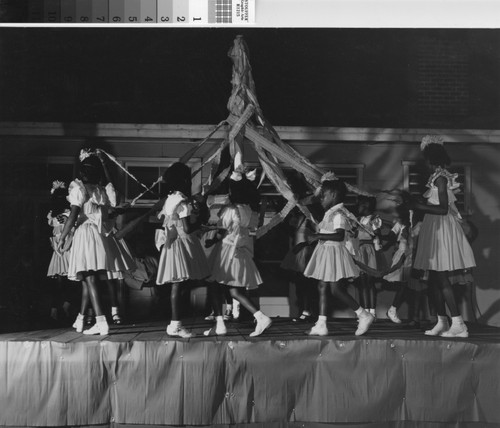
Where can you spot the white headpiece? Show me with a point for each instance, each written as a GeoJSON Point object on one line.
{"type": "Point", "coordinates": [57, 185]}
{"type": "Point", "coordinates": [329, 176]}
{"type": "Point", "coordinates": [84, 154]}
{"type": "Point", "coordinates": [431, 139]}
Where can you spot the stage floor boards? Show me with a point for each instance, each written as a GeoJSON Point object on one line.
{"type": "Point", "coordinates": [393, 376]}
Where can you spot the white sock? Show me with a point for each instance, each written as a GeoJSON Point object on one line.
{"type": "Point", "coordinates": [442, 319]}
{"type": "Point", "coordinates": [114, 310]}
{"type": "Point", "coordinates": [229, 308]}
{"type": "Point", "coordinates": [100, 319]}
{"type": "Point", "coordinates": [257, 315]}
{"type": "Point", "coordinates": [457, 320]}
{"type": "Point", "coordinates": [175, 324]}
{"type": "Point", "coordinates": [306, 313]}
{"type": "Point", "coordinates": [80, 317]}
{"type": "Point", "coordinates": [372, 311]}
{"type": "Point", "coordinates": [322, 319]}
{"type": "Point", "coordinates": [219, 319]}
{"type": "Point", "coordinates": [359, 311]}
{"type": "Point", "coordinates": [393, 309]}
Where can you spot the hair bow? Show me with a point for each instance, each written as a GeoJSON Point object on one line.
{"type": "Point", "coordinates": [431, 139]}
{"type": "Point", "coordinates": [238, 175]}
{"type": "Point", "coordinates": [84, 154]}
{"type": "Point", "coordinates": [329, 176]}
{"type": "Point", "coordinates": [57, 185]}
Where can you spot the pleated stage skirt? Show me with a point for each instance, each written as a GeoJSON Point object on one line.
{"type": "Point", "coordinates": [403, 274]}
{"type": "Point", "coordinates": [59, 264]}
{"type": "Point", "coordinates": [367, 254]}
{"type": "Point", "coordinates": [120, 259]}
{"type": "Point", "coordinates": [331, 262]}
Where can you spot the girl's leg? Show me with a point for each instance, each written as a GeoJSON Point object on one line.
{"type": "Point", "coordinates": [78, 324]}
{"type": "Point", "coordinates": [303, 287]}
{"type": "Point", "coordinates": [392, 313]}
{"type": "Point", "coordinates": [215, 293]}
{"type": "Point", "coordinates": [101, 326]}
{"type": "Point", "coordinates": [320, 328]}
{"type": "Point", "coordinates": [365, 318]}
{"type": "Point", "coordinates": [263, 321]}
{"type": "Point", "coordinates": [436, 295]}
{"type": "Point", "coordinates": [175, 328]}
{"type": "Point", "coordinates": [113, 298]}
{"type": "Point", "coordinates": [228, 314]}
{"type": "Point", "coordinates": [458, 327]}
{"type": "Point", "coordinates": [372, 295]}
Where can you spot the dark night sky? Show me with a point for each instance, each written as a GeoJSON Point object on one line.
{"type": "Point", "coordinates": [314, 77]}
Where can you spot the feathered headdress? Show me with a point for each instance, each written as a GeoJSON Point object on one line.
{"type": "Point", "coordinates": [431, 139]}
{"type": "Point", "coordinates": [57, 185]}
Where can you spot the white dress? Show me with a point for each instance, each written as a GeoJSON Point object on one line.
{"type": "Point", "coordinates": [405, 248]}
{"type": "Point", "coordinates": [232, 262]}
{"type": "Point", "coordinates": [88, 252]}
{"type": "Point", "coordinates": [59, 262]}
{"type": "Point", "coordinates": [442, 244]}
{"type": "Point", "coordinates": [182, 256]}
{"type": "Point", "coordinates": [367, 254]}
{"type": "Point", "coordinates": [331, 260]}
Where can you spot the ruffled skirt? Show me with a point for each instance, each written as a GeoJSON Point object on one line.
{"type": "Point", "coordinates": [367, 255]}
{"type": "Point", "coordinates": [88, 252]}
{"type": "Point", "coordinates": [403, 274]}
{"type": "Point", "coordinates": [185, 259]}
{"type": "Point", "coordinates": [234, 267]}
{"type": "Point", "coordinates": [58, 264]}
{"type": "Point", "coordinates": [120, 259]}
{"type": "Point", "coordinates": [331, 262]}
{"type": "Point", "coordinates": [442, 245]}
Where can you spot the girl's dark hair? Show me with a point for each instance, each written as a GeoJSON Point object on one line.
{"type": "Point", "coordinates": [372, 202]}
{"type": "Point", "coordinates": [436, 155]}
{"type": "Point", "coordinates": [177, 178]}
{"type": "Point", "coordinates": [297, 183]}
{"type": "Point", "coordinates": [91, 170]}
{"type": "Point", "coordinates": [337, 186]}
{"type": "Point", "coordinates": [244, 192]}
{"type": "Point", "coordinates": [404, 214]}
{"type": "Point", "coordinates": [58, 201]}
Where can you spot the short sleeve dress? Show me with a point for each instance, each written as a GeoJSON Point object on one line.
{"type": "Point", "coordinates": [59, 262]}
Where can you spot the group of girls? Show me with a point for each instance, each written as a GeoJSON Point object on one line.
{"type": "Point", "coordinates": [346, 249]}
{"type": "Point", "coordinates": [332, 253]}
{"type": "Point", "coordinates": [84, 242]}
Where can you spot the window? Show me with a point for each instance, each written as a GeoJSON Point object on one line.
{"type": "Point", "coordinates": [415, 178]}
{"type": "Point", "coordinates": [147, 170]}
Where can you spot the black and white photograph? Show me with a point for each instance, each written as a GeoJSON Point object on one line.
{"type": "Point", "coordinates": [249, 227]}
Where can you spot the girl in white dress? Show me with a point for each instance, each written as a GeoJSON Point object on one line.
{"type": "Point", "coordinates": [442, 247]}
{"type": "Point", "coordinates": [401, 260]}
{"type": "Point", "coordinates": [368, 245]}
{"type": "Point", "coordinates": [232, 263]}
{"type": "Point", "coordinates": [182, 257]}
{"type": "Point", "coordinates": [89, 203]}
{"type": "Point", "coordinates": [58, 266]}
{"type": "Point", "coordinates": [331, 262]}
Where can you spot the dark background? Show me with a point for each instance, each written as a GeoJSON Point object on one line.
{"type": "Point", "coordinates": [310, 77]}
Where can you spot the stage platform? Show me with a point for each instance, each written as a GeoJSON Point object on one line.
{"type": "Point", "coordinates": [138, 376]}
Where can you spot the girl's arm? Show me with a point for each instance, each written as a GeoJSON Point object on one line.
{"type": "Point", "coordinates": [397, 265]}
{"type": "Point", "coordinates": [441, 209]}
{"type": "Point", "coordinates": [73, 215]}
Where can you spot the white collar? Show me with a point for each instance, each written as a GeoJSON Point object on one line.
{"type": "Point", "coordinates": [336, 207]}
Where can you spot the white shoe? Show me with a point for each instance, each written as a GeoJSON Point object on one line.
{"type": "Point", "coordinates": [364, 323]}
{"type": "Point", "coordinates": [318, 329]}
{"type": "Point", "coordinates": [393, 316]}
{"type": "Point", "coordinates": [219, 330]}
{"type": "Point", "coordinates": [179, 332]}
{"type": "Point", "coordinates": [236, 309]}
{"type": "Point", "coordinates": [456, 330]}
{"type": "Point", "coordinates": [263, 323]}
{"type": "Point", "coordinates": [78, 325]}
{"type": "Point", "coordinates": [98, 328]}
{"type": "Point", "coordinates": [438, 329]}
{"type": "Point", "coordinates": [210, 317]}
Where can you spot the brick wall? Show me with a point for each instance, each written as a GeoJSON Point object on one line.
{"type": "Point", "coordinates": [442, 79]}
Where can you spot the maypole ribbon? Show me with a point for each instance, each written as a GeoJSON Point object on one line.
{"type": "Point", "coordinates": [158, 180]}
{"type": "Point", "coordinates": [190, 153]}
